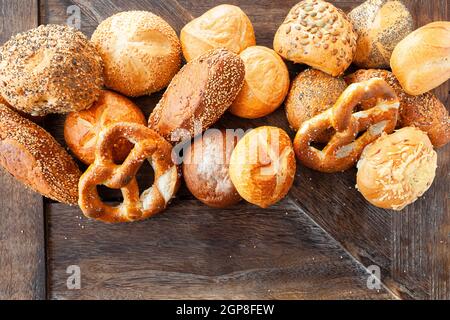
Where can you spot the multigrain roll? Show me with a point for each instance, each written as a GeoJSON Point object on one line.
{"type": "Point", "coordinates": [380, 25]}
{"type": "Point", "coordinates": [266, 83]}
{"type": "Point", "coordinates": [421, 61]}
{"type": "Point", "coordinates": [205, 168]}
{"type": "Point", "coordinates": [141, 52]}
{"type": "Point", "coordinates": [318, 34]}
{"type": "Point", "coordinates": [397, 169]}
{"type": "Point", "coordinates": [262, 166]}
{"type": "Point", "coordinates": [33, 156]}
{"type": "Point", "coordinates": [50, 69]}
{"type": "Point", "coordinates": [423, 111]}
{"type": "Point", "coordinates": [81, 129]}
{"type": "Point", "coordinates": [225, 26]}
{"type": "Point", "coordinates": [312, 92]}
{"type": "Point", "coordinates": [198, 95]}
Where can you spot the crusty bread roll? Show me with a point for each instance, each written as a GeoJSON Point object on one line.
{"type": "Point", "coordinates": [424, 111]}
{"type": "Point", "coordinates": [141, 52]}
{"type": "Point", "coordinates": [318, 34]}
{"type": "Point", "coordinates": [205, 168]}
{"type": "Point", "coordinates": [50, 69]}
{"type": "Point", "coordinates": [198, 95]}
{"type": "Point", "coordinates": [81, 129]}
{"type": "Point", "coordinates": [397, 169]}
{"type": "Point", "coordinates": [380, 25]}
{"type": "Point", "coordinates": [32, 156]}
{"type": "Point", "coordinates": [225, 26]}
{"type": "Point", "coordinates": [266, 83]}
{"type": "Point", "coordinates": [262, 166]}
{"type": "Point", "coordinates": [421, 61]}
{"type": "Point", "coordinates": [312, 92]}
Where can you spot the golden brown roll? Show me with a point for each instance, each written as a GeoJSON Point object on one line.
{"type": "Point", "coordinates": [262, 166]}
{"type": "Point", "coordinates": [380, 25]}
{"type": "Point", "coordinates": [397, 169]}
{"type": "Point", "coordinates": [225, 26]}
{"type": "Point", "coordinates": [266, 83]}
{"type": "Point", "coordinates": [424, 111]}
{"type": "Point", "coordinates": [318, 34]}
{"type": "Point", "coordinates": [312, 92]}
{"type": "Point", "coordinates": [421, 61]}
{"type": "Point", "coordinates": [50, 69]}
{"type": "Point", "coordinates": [141, 52]}
{"type": "Point", "coordinates": [81, 129]}
{"type": "Point", "coordinates": [198, 95]}
{"type": "Point", "coordinates": [33, 157]}
{"type": "Point", "coordinates": [205, 168]}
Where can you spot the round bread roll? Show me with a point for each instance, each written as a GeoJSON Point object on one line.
{"type": "Point", "coordinates": [225, 26]}
{"type": "Point", "coordinates": [141, 52]}
{"type": "Point", "coordinates": [33, 157]}
{"type": "Point", "coordinates": [318, 34]}
{"type": "Point", "coordinates": [312, 92]}
{"type": "Point", "coordinates": [50, 69]}
{"type": "Point", "coordinates": [262, 166]}
{"type": "Point", "coordinates": [266, 83]}
{"type": "Point", "coordinates": [205, 168]}
{"type": "Point", "coordinates": [421, 61]}
{"type": "Point", "coordinates": [424, 111]}
{"type": "Point", "coordinates": [380, 25]}
{"type": "Point", "coordinates": [81, 129]}
{"type": "Point", "coordinates": [397, 169]}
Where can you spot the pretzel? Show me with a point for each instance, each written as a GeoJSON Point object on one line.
{"type": "Point", "coordinates": [148, 145]}
{"type": "Point", "coordinates": [380, 114]}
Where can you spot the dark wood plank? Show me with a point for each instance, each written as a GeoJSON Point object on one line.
{"type": "Point", "coordinates": [194, 252]}
{"type": "Point", "coordinates": [22, 243]}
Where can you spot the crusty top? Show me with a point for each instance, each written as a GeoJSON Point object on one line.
{"type": "Point", "coordinates": [198, 95]}
{"type": "Point", "coordinates": [50, 69]}
{"type": "Point", "coordinates": [34, 157]}
{"type": "Point", "coordinates": [318, 34]}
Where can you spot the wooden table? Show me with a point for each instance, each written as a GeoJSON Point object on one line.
{"type": "Point", "coordinates": [319, 242]}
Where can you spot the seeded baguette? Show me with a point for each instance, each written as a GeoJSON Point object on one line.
{"type": "Point", "coordinates": [33, 156]}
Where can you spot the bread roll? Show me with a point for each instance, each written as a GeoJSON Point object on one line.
{"type": "Point", "coordinates": [317, 34]}
{"type": "Point", "coordinates": [312, 92]}
{"type": "Point", "coordinates": [421, 61]}
{"type": "Point", "coordinates": [205, 168]}
{"type": "Point", "coordinates": [198, 95]}
{"type": "Point", "coordinates": [225, 26]}
{"type": "Point", "coordinates": [50, 69]}
{"type": "Point", "coordinates": [424, 111]}
{"type": "Point", "coordinates": [397, 169]}
{"type": "Point", "coordinates": [81, 129]}
{"type": "Point", "coordinates": [262, 166]}
{"type": "Point", "coordinates": [380, 25]}
{"type": "Point", "coordinates": [266, 83]}
{"type": "Point", "coordinates": [141, 52]}
{"type": "Point", "coordinates": [33, 157]}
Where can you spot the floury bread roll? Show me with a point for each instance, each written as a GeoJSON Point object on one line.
{"type": "Point", "coordinates": [225, 26]}
{"type": "Point", "coordinates": [397, 169]}
{"type": "Point", "coordinates": [380, 25]}
{"type": "Point", "coordinates": [262, 166]}
{"type": "Point", "coordinates": [205, 168]}
{"type": "Point", "coordinates": [421, 61]}
{"type": "Point", "coordinates": [318, 34]}
{"type": "Point", "coordinates": [266, 83]}
{"type": "Point", "coordinates": [141, 52]}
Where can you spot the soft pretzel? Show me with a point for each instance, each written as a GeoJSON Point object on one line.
{"type": "Point", "coordinates": [344, 148]}
{"type": "Point", "coordinates": [148, 145]}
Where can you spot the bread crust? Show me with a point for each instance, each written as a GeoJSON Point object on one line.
{"type": "Point", "coordinates": [34, 157]}
{"type": "Point", "coordinates": [198, 95]}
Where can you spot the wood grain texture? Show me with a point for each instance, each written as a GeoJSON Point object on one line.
{"type": "Point", "coordinates": [22, 243]}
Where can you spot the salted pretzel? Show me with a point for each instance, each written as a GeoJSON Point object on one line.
{"type": "Point", "coordinates": [380, 113]}
{"type": "Point", "coordinates": [148, 145]}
